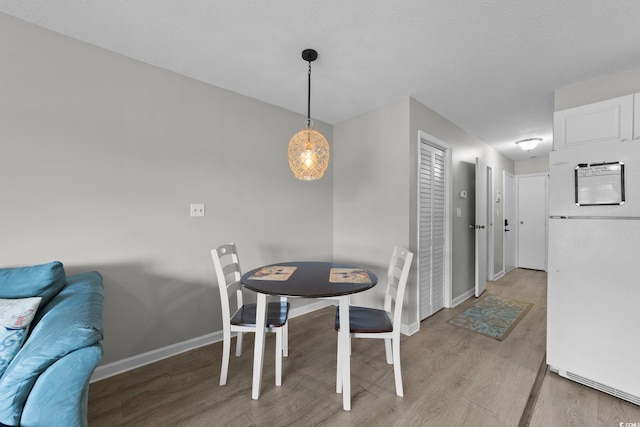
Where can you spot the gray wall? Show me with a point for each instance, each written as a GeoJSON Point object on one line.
{"type": "Point", "coordinates": [371, 202]}
{"type": "Point", "coordinates": [466, 148]}
{"type": "Point", "coordinates": [375, 203]}
{"type": "Point", "coordinates": [596, 90]}
{"type": "Point", "coordinates": [101, 157]}
{"type": "Point", "coordinates": [535, 165]}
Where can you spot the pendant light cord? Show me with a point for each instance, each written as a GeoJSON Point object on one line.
{"type": "Point", "coordinates": [309, 98]}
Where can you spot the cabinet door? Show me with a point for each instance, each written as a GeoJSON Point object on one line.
{"type": "Point", "coordinates": [610, 120]}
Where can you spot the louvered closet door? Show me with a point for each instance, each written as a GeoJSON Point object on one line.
{"type": "Point", "coordinates": [432, 229]}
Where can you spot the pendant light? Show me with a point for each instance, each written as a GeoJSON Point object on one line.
{"type": "Point", "coordinates": [308, 149]}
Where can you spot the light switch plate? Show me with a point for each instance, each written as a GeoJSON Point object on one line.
{"type": "Point", "coordinates": [197, 209]}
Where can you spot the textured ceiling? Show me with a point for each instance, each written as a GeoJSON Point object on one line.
{"type": "Point", "coordinates": [489, 66]}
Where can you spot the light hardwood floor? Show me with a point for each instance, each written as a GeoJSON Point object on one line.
{"type": "Point", "coordinates": [452, 377]}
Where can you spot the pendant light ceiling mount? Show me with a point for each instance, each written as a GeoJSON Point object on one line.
{"type": "Point", "coordinates": [309, 55]}
{"type": "Point", "coordinates": [308, 149]}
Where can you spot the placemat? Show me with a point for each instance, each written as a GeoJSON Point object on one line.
{"type": "Point", "coordinates": [349, 275]}
{"type": "Point", "coordinates": [276, 272]}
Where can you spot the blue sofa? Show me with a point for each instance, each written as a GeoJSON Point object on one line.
{"type": "Point", "coordinates": [47, 382]}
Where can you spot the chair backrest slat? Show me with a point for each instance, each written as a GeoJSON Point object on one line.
{"type": "Point", "coordinates": [228, 273]}
{"type": "Point", "coordinates": [397, 276]}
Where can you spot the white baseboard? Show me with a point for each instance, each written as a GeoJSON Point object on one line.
{"type": "Point", "coordinates": [137, 361]}
{"type": "Point", "coordinates": [462, 298]}
{"type": "Point", "coordinates": [310, 308]}
{"type": "Point", "coordinates": [498, 275]}
{"type": "Point", "coordinates": [409, 329]}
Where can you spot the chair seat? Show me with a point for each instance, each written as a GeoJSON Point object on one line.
{"type": "Point", "coordinates": [277, 314]}
{"type": "Point", "coordinates": [365, 319]}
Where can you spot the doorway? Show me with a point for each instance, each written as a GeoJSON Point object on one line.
{"type": "Point", "coordinates": [532, 221]}
{"type": "Point", "coordinates": [434, 224]}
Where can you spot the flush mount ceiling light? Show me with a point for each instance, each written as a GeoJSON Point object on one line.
{"type": "Point", "coordinates": [308, 149]}
{"type": "Point", "coordinates": [529, 143]}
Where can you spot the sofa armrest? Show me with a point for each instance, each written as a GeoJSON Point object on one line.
{"type": "Point", "coordinates": [47, 406]}
{"type": "Point", "coordinates": [71, 321]}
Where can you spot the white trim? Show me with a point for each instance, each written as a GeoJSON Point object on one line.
{"type": "Point", "coordinates": [491, 219]}
{"type": "Point", "coordinates": [310, 308]}
{"type": "Point", "coordinates": [139, 360]}
{"type": "Point", "coordinates": [447, 148]}
{"type": "Point", "coordinates": [481, 186]}
{"type": "Point", "coordinates": [411, 329]}
{"type": "Point", "coordinates": [498, 275]}
{"type": "Point", "coordinates": [462, 298]}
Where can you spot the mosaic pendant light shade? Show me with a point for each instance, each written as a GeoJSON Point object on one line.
{"type": "Point", "coordinates": [308, 149]}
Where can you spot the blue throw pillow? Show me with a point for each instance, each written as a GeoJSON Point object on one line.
{"type": "Point", "coordinates": [44, 280]}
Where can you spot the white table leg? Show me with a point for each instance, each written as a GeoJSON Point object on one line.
{"type": "Point", "coordinates": [344, 358]}
{"type": "Point", "coordinates": [258, 351]}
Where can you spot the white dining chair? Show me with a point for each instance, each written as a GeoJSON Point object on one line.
{"type": "Point", "coordinates": [243, 319]}
{"type": "Point", "coordinates": [366, 322]}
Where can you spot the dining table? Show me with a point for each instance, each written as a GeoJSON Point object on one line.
{"type": "Point", "coordinates": [308, 279]}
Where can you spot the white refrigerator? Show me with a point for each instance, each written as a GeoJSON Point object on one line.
{"type": "Point", "coordinates": [593, 323]}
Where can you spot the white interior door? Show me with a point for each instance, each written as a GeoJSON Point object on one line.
{"type": "Point", "coordinates": [481, 227]}
{"type": "Point", "coordinates": [433, 228]}
{"type": "Point", "coordinates": [490, 225]}
{"type": "Point", "coordinates": [509, 222]}
{"type": "Point", "coordinates": [532, 221]}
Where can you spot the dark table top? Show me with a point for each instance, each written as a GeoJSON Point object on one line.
{"type": "Point", "coordinates": [310, 279]}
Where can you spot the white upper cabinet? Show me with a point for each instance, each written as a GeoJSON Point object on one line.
{"type": "Point", "coordinates": [610, 120]}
